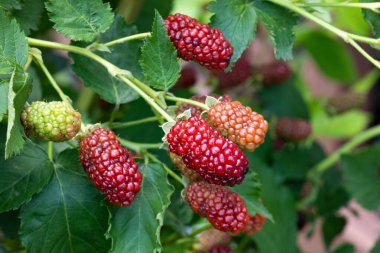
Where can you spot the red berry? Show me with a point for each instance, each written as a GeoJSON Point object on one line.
{"type": "Point", "coordinates": [198, 42]}
{"type": "Point", "coordinates": [239, 123]}
{"type": "Point", "coordinates": [224, 209]}
{"type": "Point", "coordinates": [195, 110]}
{"type": "Point", "coordinates": [110, 167]}
{"type": "Point", "coordinates": [217, 159]}
{"type": "Point", "coordinates": [254, 224]}
{"type": "Point", "coordinates": [293, 130]}
{"type": "Point", "coordinates": [239, 74]}
{"type": "Point", "coordinates": [192, 175]}
{"type": "Point", "coordinates": [275, 73]}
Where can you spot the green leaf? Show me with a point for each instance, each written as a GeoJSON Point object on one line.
{"type": "Point", "coordinates": [80, 19]}
{"type": "Point", "coordinates": [141, 222]}
{"type": "Point", "coordinates": [331, 56]}
{"type": "Point", "coordinates": [29, 15]}
{"type": "Point", "coordinates": [159, 58]}
{"type": "Point", "coordinates": [284, 100]}
{"type": "Point", "coordinates": [332, 227]}
{"type": "Point", "coordinates": [345, 248]}
{"type": "Point", "coordinates": [23, 176]}
{"type": "Point", "coordinates": [294, 162]}
{"type": "Point", "coordinates": [237, 20]}
{"type": "Point", "coordinates": [280, 23]}
{"type": "Point", "coordinates": [361, 178]}
{"type": "Point", "coordinates": [250, 191]}
{"type": "Point", "coordinates": [145, 17]}
{"type": "Point", "coordinates": [10, 4]}
{"type": "Point", "coordinates": [372, 18]}
{"type": "Point", "coordinates": [279, 236]}
{"type": "Point", "coordinates": [343, 125]}
{"type": "Point", "coordinates": [66, 216]}
{"type": "Point", "coordinates": [13, 44]}
{"type": "Point", "coordinates": [3, 99]}
{"type": "Point", "coordinates": [19, 88]}
{"type": "Point", "coordinates": [97, 78]}
{"type": "Point", "coordinates": [376, 248]}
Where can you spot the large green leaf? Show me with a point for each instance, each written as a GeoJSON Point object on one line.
{"type": "Point", "coordinates": [159, 58]}
{"type": "Point", "coordinates": [361, 176]}
{"type": "Point", "coordinates": [66, 217]}
{"type": "Point", "coordinates": [29, 15]}
{"type": "Point", "coordinates": [140, 223]}
{"type": "Point", "coordinates": [331, 228]}
{"type": "Point", "coordinates": [237, 20]}
{"type": "Point", "coordinates": [280, 23]}
{"type": "Point", "coordinates": [372, 18]}
{"type": "Point", "coordinates": [10, 4]}
{"type": "Point", "coordinates": [22, 176]}
{"type": "Point", "coordinates": [331, 56]}
{"type": "Point", "coordinates": [19, 88]}
{"type": "Point", "coordinates": [97, 78]}
{"type": "Point", "coordinates": [279, 236]}
{"type": "Point", "coordinates": [80, 19]}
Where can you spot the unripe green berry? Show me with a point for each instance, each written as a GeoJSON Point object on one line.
{"type": "Point", "coordinates": [51, 121]}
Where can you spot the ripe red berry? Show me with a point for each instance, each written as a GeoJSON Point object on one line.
{"type": "Point", "coordinates": [224, 209]}
{"type": "Point", "coordinates": [192, 175]}
{"type": "Point", "coordinates": [274, 73]}
{"type": "Point", "coordinates": [195, 110]}
{"type": "Point", "coordinates": [239, 74]}
{"type": "Point", "coordinates": [198, 42]}
{"type": "Point", "coordinates": [289, 129]}
{"type": "Point", "coordinates": [217, 159]}
{"type": "Point", "coordinates": [254, 224]}
{"type": "Point", "coordinates": [110, 167]}
{"type": "Point", "coordinates": [239, 123]}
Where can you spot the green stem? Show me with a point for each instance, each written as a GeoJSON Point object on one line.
{"type": "Point", "coordinates": [116, 125]}
{"type": "Point", "coordinates": [138, 146]}
{"type": "Point", "coordinates": [364, 53]}
{"type": "Point", "coordinates": [168, 170]}
{"type": "Point", "coordinates": [187, 101]}
{"type": "Point", "coordinates": [148, 90]}
{"type": "Point", "coordinates": [371, 6]}
{"type": "Point", "coordinates": [200, 229]}
{"type": "Point", "coordinates": [349, 146]}
{"type": "Point", "coordinates": [128, 38]}
{"type": "Point", "coordinates": [50, 150]}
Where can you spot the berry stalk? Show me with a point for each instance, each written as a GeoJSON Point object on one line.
{"type": "Point", "coordinates": [187, 101]}
{"type": "Point", "coordinates": [127, 38]}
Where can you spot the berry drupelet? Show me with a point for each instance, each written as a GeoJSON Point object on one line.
{"type": "Point", "coordinates": [198, 42]}
{"type": "Point", "coordinates": [217, 159]}
{"type": "Point", "coordinates": [110, 167]}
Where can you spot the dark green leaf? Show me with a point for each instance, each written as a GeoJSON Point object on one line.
{"type": "Point", "coordinates": [279, 236]}
{"type": "Point", "coordinates": [159, 58]}
{"type": "Point", "coordinates": [280, 23]}
{"type": "Point", "coordinates": [345, 248]}
{"type": "Point", "coordinates": [22, 176]}
{"type": "Point", "coordinates": [284, 100]}
{"type": "Point", "coordinates": [10, 224]}
{"type": "Point", "coordinates": [237, 20]}
{"type": "Point", "coordinates": [372, 18]}
{"type": "Point", "coordinates": [331, 56]}
{"type": "Point", "coordinates": [293, 162]}
{"type": "Point", "coordinates": [375, 249]}
{"type": "Point", "coordinates": [141, 222]}
{"type": "Point", "coordinates": [66, 216]}
{"type": "Point", "coordinates": [29, 15]}
{"type": "Point", "coordinates": [361, 176]}
{"type": "Point", "coordinates": [97, 78]}
{"type": "Point", "coordinates": [19, 88]}
{"type": "Point", "coordinates": [80, 19]}
{"type": "Point", "coordinates": [332, 227]}
{"type": "Point", "coordinates": [144, 20]}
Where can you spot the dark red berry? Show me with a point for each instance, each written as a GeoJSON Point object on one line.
{"type": "Point", "coordinates": [254, 224]}
{"type": "Point", "coordinates": [274, 73]}
{"type": "Point", "coordinates": [198, 42]}
{"type": "Point", "coordinates": [289, 129]}
{"type": "Point", "coordinates": [110, 167]}
{"type": "Point", "coordinates": [224, 209]}
{"type": "Point", "coordinates": [195, 110]}
{"type": "Point", "coordinates": [239, 74]}
{"type": "Point", "coordinates": [217, 159]}
{"type": "Point", "coordinates": [188, 77]}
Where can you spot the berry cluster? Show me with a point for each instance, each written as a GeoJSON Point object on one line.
{"type": "Point", "coordinates": [224, 209]}
{"type": "Point", "coordinates": [110, 166]}
{"type": "Point", "coordinates": [51, 121]}
{"type": "Point", "coordinates": [198, 42]}
{"type": "Point", "coordinates": [217, 159]}
{"type": "Point", "coordinates": [239, 123]}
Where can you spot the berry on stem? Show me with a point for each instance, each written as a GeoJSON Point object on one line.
{"type": "Point", "coordinates": [110, 166]}
{"type": "Point", "coordinates": [239, 123]}
{"type": "Point", "coordinates": [224, 209]}
{"type": "Point", "coordinates": [198, 42]}
{"type": "Point", "coordinates": [51, 121]}
{"type": "Point", "coordinates": [217, 159]}
{"type": "Point", "coordinates": [294, 130]}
